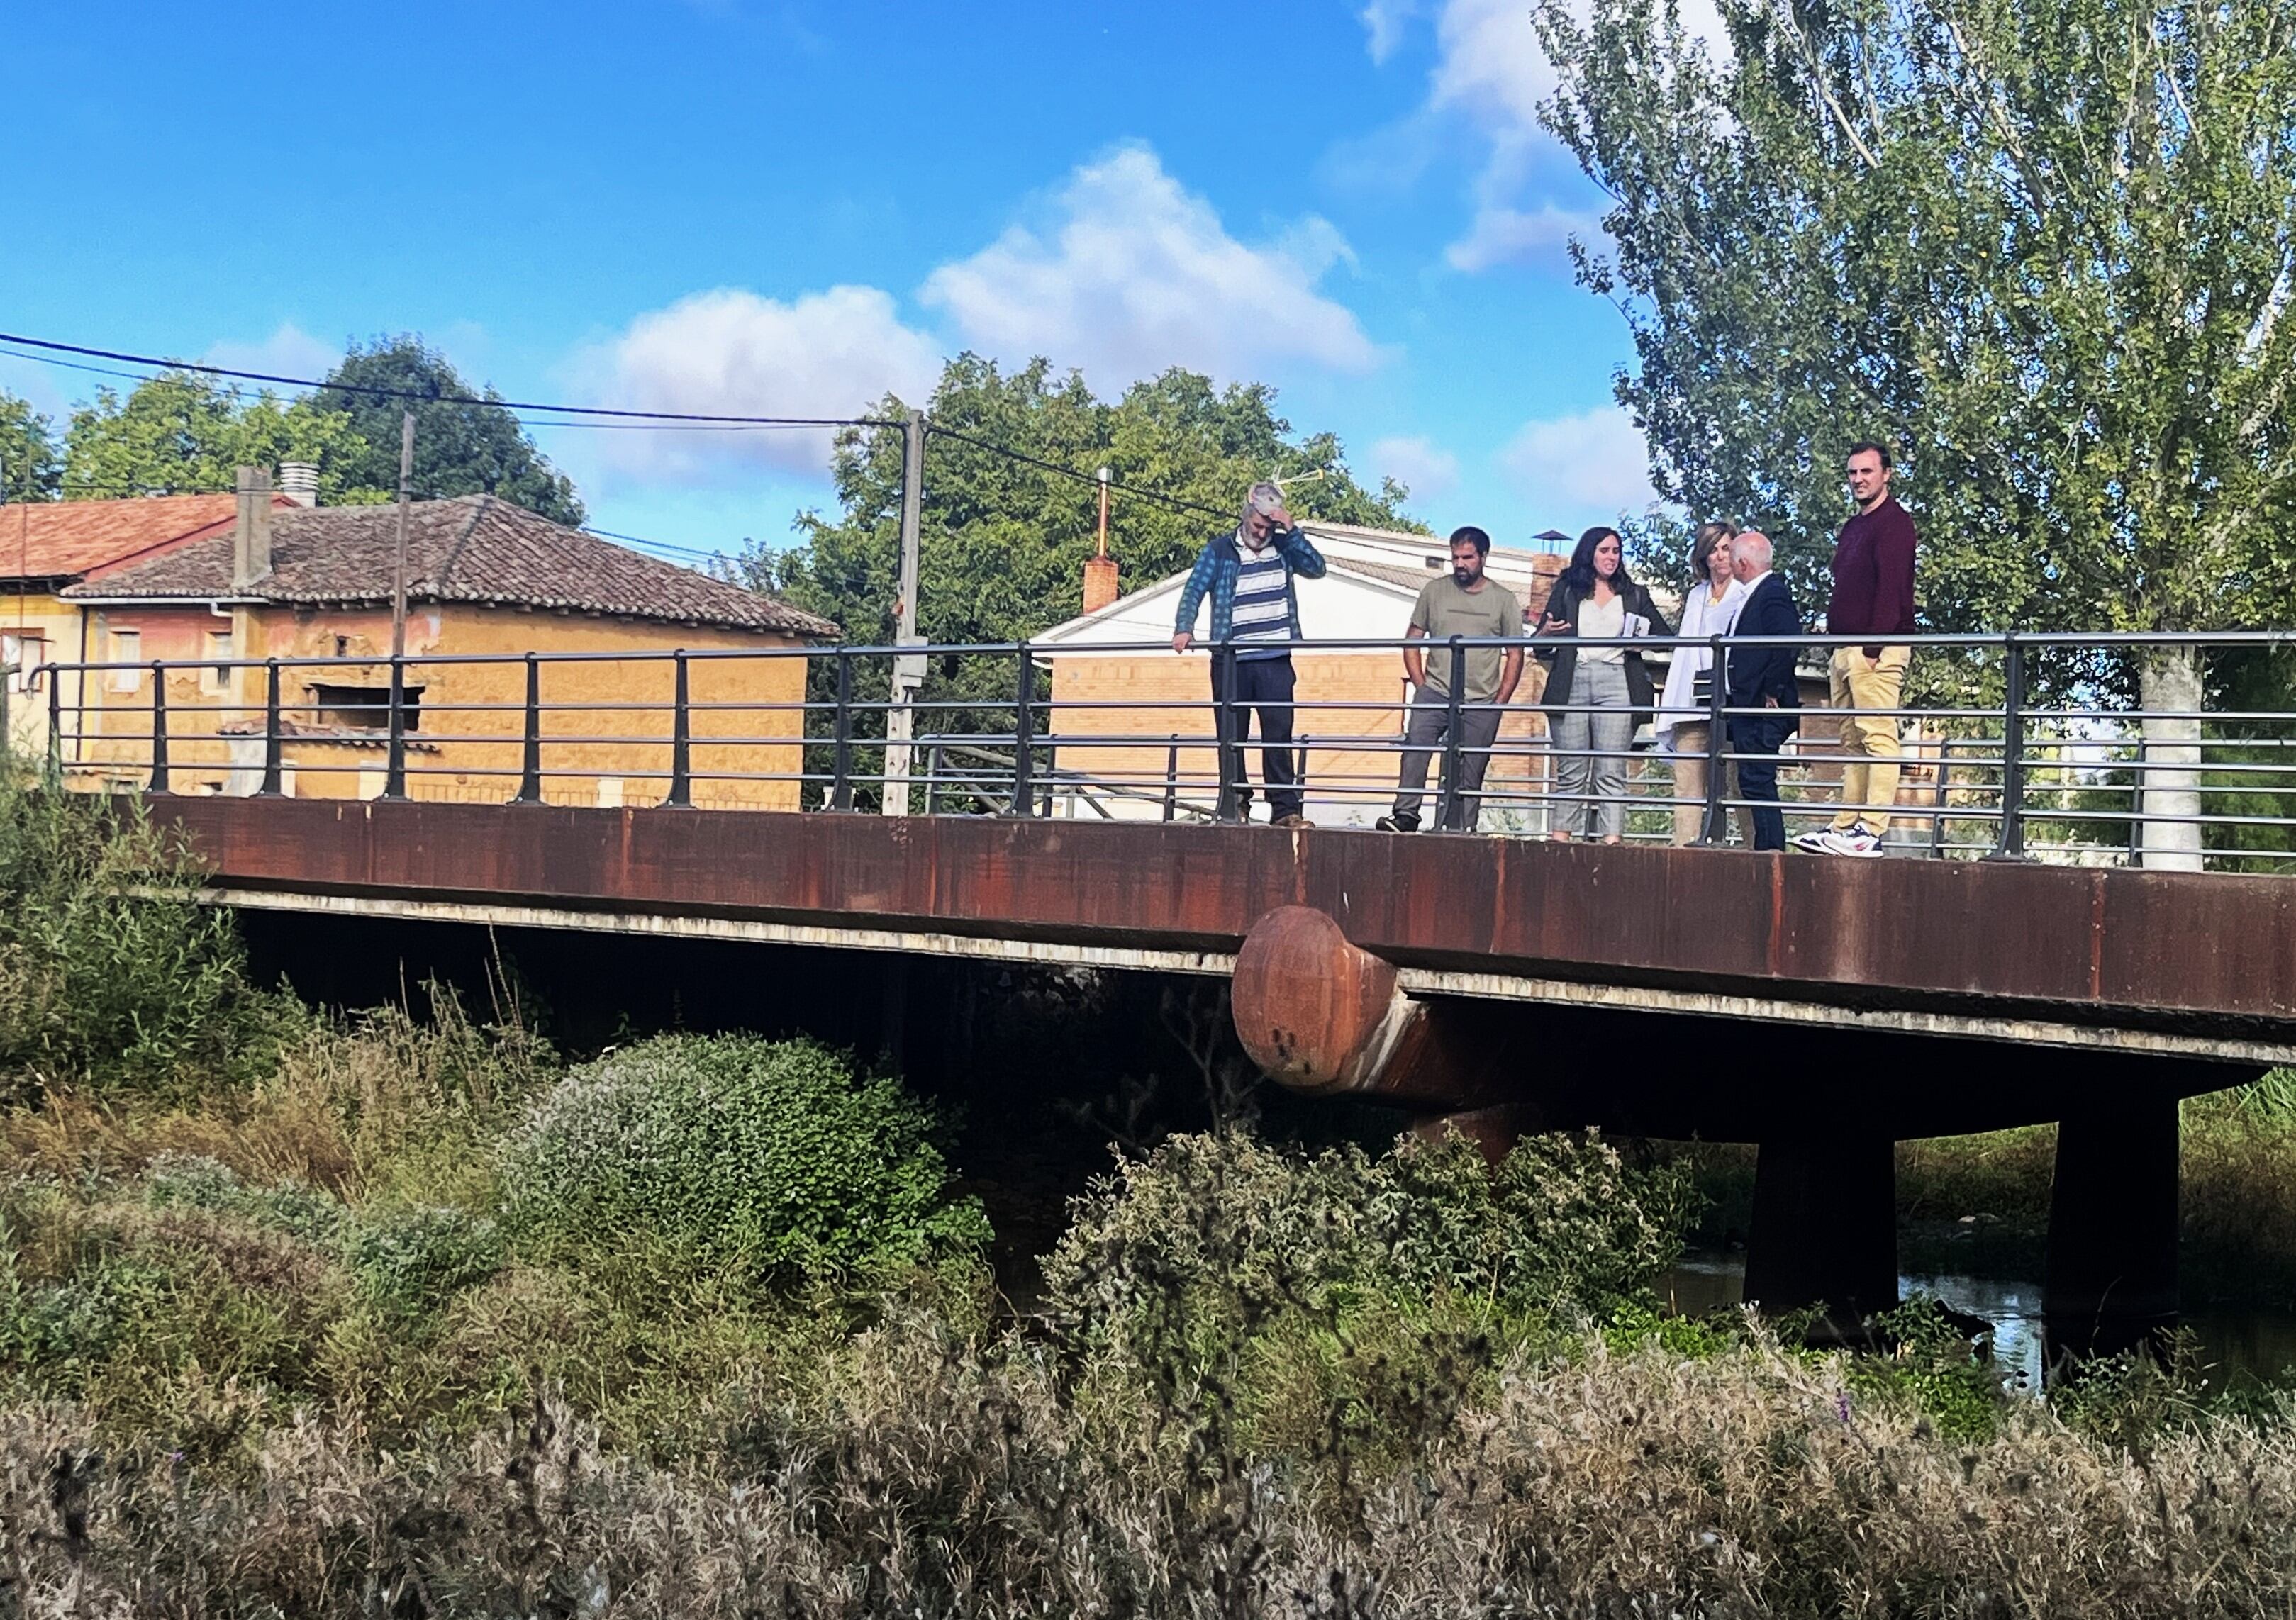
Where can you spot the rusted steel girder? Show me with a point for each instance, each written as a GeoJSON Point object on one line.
{"type": "Point", "coordinates": [1326, 1018]}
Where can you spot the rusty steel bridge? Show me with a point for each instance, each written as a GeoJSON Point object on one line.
{"type": "Point", "coordinates": [989, 805]}
{"type": "Point", "coordinates": [1824, 1008]}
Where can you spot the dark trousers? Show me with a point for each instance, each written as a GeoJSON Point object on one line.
{"type": "Point", "coordinates": [1264, 684]}
{"type": "Point", "coordinates": [1754, 739]}
{"type": "Point", "coordinates": [1429, 720]}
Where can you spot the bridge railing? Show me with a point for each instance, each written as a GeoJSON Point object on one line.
{"type": "Point", "coordinates": [2013, 746]}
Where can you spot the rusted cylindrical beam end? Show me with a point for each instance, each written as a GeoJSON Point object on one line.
{"type": "Point", "coordinates": [1307, 1001]}
{"type": "Point", "coordinates": [1326, 1018]}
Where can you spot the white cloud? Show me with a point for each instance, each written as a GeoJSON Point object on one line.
{"type": "Point", "coordinates": [1491, 72]}
{"type": "Point", "coordinates": [1417, 463]}
{"type": "Point", "coordinates": [1132, 274]}
{"type": "Point", "coordinates": [1489, 64]}
{"type": "Point", "coordinates": [1384, 22]}
{"type": "Point", "coordinates": [288, 352]}
{"type": "Point", "coordinates": [1501, 235]}
{"type": "Point", "coordinates": [1595, 460]}
{"type": "Point", "coordinates": [732, 353]}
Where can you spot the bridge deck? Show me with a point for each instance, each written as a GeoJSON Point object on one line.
{"type": "Point", "coordinates": [2186, 965]}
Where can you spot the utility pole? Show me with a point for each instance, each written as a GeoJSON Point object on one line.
{"type": "Point", "coordinates": [398, 556]}
{"type": "Point", "coordinates": [909, 667]}
{"type": "Point", "coordinates": [394, 777]}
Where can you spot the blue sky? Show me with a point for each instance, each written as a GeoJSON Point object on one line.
{"type": "Point", "coordinates": [732, 205]}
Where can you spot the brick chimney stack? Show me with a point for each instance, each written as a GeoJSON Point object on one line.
{"type": "Point", "coordinates": [1100, 586]}
{"type": "Point", "coordinates": [251, 536]}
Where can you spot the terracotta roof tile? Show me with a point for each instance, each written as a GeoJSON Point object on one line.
{"type": "Point", "coordinates": [473, 549]}
{"type": "Point", "coordinates": [69, 539]}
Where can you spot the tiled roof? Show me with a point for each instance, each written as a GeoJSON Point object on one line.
{"type": "Point", "coordinates": [1532, 596]}
{"type": "Point", "coordinates": [474, 549]}
{"type": "Point", "coordinates": [66, 539]}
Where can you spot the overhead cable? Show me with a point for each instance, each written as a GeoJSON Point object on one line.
{"type": "Point", "coordinates": [434, 399]}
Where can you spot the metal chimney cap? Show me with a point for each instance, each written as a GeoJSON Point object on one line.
{"type": "Point", "coordinates": [298, 482]}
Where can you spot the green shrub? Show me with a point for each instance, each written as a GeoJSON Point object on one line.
{"type": "Point", "coordinates": [111, 971]}
{"type": "Point", "coordinates": [774, 1153]}
{"type": "Point", "coordinates": [192, 1181]}
{"type": "Point", "coordinates": [1211, 1238]}
{"type": "Point", "coordinates": [408, 1260]}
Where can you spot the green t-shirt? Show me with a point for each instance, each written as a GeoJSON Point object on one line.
{"type": "Point", "coordinates": [1444, 610]}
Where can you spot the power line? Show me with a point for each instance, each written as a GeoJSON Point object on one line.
{"type": "Point", "coordinates": [1176, 501]}
{"type": "Point", "coordinates": [411, 393]}
{"type": "Point", "coordinates": [599, 416]}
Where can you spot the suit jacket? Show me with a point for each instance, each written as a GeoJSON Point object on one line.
{"type": "Point", "coordinates": [1758, 673]}
{"type": "Point", "coordinates": [1561, 658]}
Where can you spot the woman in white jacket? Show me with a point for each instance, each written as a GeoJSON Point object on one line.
{"type": "Point", "coordinates": [1684, 719]}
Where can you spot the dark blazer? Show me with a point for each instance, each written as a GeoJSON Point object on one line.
{"type": "Point", "coordinates": [1757, 673]}
{"type": "Point", "coordinates": [1561, 658]}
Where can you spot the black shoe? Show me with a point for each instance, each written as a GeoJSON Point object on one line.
{"type": "Point", "coordinates": [1396, 824]}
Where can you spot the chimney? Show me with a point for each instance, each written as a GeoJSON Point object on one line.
{"type": "Point", "coordinates": [298, 482]}
{"type": "Point", "coordinates": [1100, 571]}
{"type": "Point", "coordinates": [251, 536]}
{"type": "Point", "coordinates": [1100, 586]}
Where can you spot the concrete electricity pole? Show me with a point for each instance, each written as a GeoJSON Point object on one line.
{"type": "Point", "coordinates": [909, 667]}
{"type": "Point", "coordinates": [398, 553]}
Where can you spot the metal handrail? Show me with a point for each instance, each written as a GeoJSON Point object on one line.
{"type": "Point", "coordinates": [2037, 775]}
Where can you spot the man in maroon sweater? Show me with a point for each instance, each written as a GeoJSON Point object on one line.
{"type": "Point", "coordinates": [1873, 595]}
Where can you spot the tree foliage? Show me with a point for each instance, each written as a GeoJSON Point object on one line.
{"type": "Point", "coordinates": [30, 469]}
{"type": "Point", "coordinates": [179, 433]}
{"type": "Point", "coordinates": [1003, 542]}
{"type": "Point", "coordinates": [459, 449]}
{"type": "Point", "coordinates": [2042, 245]}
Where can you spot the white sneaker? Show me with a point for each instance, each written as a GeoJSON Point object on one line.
{"type": "Point", "coordinates": [1812, 843]}
{"type": "Point", "coordinates": [1856, 841]}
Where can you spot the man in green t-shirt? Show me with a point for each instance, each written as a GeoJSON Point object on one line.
{"type": "Point", "coordinates": [1467, 604]}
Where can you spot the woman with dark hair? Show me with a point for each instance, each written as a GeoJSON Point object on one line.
{"type": "Point", "coordinates": [1595, 696]}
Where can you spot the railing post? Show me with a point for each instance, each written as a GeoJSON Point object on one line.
{"type": "Point", "coordinates": [1937, 811]}
{"type": "Point", "coordinates": [2010, 843]}
{"type": "Point", "coordinates": [272, 774]}
{"type": "Point", "coordinates": [529, 774]}
{"type": "Point", "coordinates": [1229, 805]}
{"type": "Point", "coordinates": [840, 781]}
{"type": "Point", "coordinates": [681, 734]}
{"type": "Point", "coordinates": [159, 727]}
{"type": "Point", "coordinates": [1447, 805]}
{"type": "Point", "coordinates": [1172, 779]}
{"type": "Point", "coordinates": [932, 779]}
{"type": "Point", "coordinates": [56, 722]}
{"type": "Point", "coordinates": [1024, 736]}
{"type": "Point", "coordinates": [394, 774]}
{"type": "Point", "coordinates": [1716, 827]}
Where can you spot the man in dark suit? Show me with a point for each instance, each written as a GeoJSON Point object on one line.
{"type": "Point", "coordinates": [1762, 682]}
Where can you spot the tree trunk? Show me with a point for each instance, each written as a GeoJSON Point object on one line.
{"type": "Point", "coordinates": [2169, 686]}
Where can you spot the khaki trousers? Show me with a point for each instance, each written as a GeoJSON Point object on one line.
{"type": "Point", "coordinates": [1690, 783]}
{"type": "Point", "coordinates": [1869, 776]}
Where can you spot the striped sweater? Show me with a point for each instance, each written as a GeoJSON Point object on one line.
{"type": "Point", "coordinates": [1247, 612]}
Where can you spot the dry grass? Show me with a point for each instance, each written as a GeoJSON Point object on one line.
{"type": "Point", "coordinates": [926, 1476]}
{"type": "Point", "coordinates": [350, 1106]}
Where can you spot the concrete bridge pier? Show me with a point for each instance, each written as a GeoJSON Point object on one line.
{"type": "Point", "coordinates": [2110, 1281]}
{"type": "Point", "coordinates": [1824, 1227]}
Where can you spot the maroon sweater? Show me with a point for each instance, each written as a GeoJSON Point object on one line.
{"type": "Point", "coordinates": [1874, 577]}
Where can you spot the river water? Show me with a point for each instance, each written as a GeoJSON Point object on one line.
{"type": "Point", "coordinates": [2259, 1342]}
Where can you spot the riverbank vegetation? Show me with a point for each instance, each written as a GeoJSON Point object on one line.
{"type": "Point", "coordinates": [418, 1315]}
